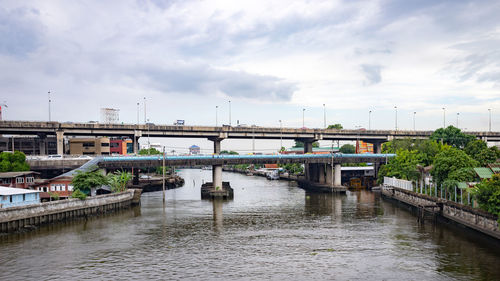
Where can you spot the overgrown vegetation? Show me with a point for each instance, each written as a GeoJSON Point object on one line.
{"type": "Point", "coordinates": [78, 194]}
{"type": "Point", "coordinates": [86, 181]}
{"type": "Point", "coordinates": [150, 151]}
{"type": "Point", "coordinates": [13, 162]}
{"type": "Point", "coordinates": [348, 149]}
{"type": "Point", "coordinates": [118, 180]}
{"type": "Point", "coordinates": [487, 194]}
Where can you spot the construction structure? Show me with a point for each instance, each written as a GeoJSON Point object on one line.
{"type": "Point", "coordinates": [110, 116]}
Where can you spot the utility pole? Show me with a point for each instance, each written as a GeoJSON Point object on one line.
{"type": "Point", "coordinates": [229, 113]}
{"type": "Point", "coordinates": [396, 119]}
{"type": "Point", "coordinates": [324, 116]}
{"type": "Point", "coordinates": [49, 108]}
{"type": "Point", "coordinates": [303, 110]}
{"type": "Point", "coordinates": [444, 117]}
{"type": "Point", "coordinates": [458, 114]}
{"type": "Point", "coordinates": [369, 120]}
{"type": "Point", "coordinates": [137, 113]}
{"type": "Point", "coordinates": [489, 123]}
{"type": "Point", "coordinates": [216, 113]}
{"type": "Point", "coordinates": [163, 175]}
{"type": "Point", "coordinates": [281, 135]}
{"type": "Point", "coordinates": [414, 114]}
{"type": "Point", "coordinates": [4, 104]}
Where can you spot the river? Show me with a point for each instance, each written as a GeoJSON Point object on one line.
{"type": "Point", "coordinates": [270, 231]}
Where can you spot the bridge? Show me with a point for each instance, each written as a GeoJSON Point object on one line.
{"type": "Point", "coordinates": [216, 134]}
{"type": "Point", "coordinates": [320, 169]}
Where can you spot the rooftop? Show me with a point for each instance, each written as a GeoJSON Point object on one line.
{"type": "Point", "coordinates": [13, 191]}
{"type": "Point", "coordinates": [484, 173]}
{"type": "Point", "coordinates": [16, 174]}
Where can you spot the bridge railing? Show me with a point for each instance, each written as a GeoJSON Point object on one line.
{"type": "Point", "coordinates": [394, 182]}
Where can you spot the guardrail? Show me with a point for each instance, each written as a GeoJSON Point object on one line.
{"type": "Point", "coordinates": [394, 182]}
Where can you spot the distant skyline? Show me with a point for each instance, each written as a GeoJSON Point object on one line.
{"type": "Point", "coordinates": [271, 59]}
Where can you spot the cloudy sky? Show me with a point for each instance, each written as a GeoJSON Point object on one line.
{"type": "Point", "coordinates": [271, 59]}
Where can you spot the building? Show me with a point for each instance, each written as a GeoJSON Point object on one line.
{"type": "Point", "coordinates": [15, 197]}
{"type": "Point", "coordinates": [24, 179]}
{"type": "Point", "coordinates": [194, 149]}
{"type": "Point", "coordinates": [121, 146]}
{"type": "Point", "coordinates": [363, 147]}
{"type": "Point", "coordinates": [89, 146]}
{"type": "Point", "coordinates": [30, 145]}
{"type": "Point", "coordinates": [60, 185]}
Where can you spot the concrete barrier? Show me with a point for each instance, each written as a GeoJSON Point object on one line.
{"type": "Point", "coordinates": [17, 218]}
{"type": "Point", "coordinates": [476, 219]}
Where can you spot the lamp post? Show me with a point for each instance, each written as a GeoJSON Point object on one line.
{"type": "Point", "coordinates": [324, 116]}
{"type": "Point", "coordinates": [281, 135]}
{"type": "Point", "coordinates": [414, 114]}
{"type": "Point", "coordinates": [396, 119]}
{"type": "Point", "coordinates": [303, 110]}
{"type": "Point", "coordinates": [137, 113]}
{"type": "Point", "coordinates": [369, 120]}
{"type": "Point", "coordinates": [149, 144]}
{"type": "Point", "coordinates": [49, 107]}
{"type": "Point", "coordinates": [444, 117]}
{"type": "Point", "coordinates": [458, 114]}
{"type": "Point", "coordinates": [145, 110]}
{"type": "Point", "coordinates": [489, 123]}
{"type": "Point", "coordinates": [229, 113]}
{"type": "Point", "coordinates": [216, 115]}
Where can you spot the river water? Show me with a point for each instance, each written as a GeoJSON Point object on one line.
{"type": "Point", "coordinates": [270, 231]}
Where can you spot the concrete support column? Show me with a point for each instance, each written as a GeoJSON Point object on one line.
{"type": "Point", "coordinates": [337, 180]}
{"type": "Point", "coordinates": [60, 142]}
{"type": "Point", "coordinates": [308, 167]}
{"type": "Point", "coordinates": [135, 139]}
{"type": "Point", "coordinates": [321, 176]}
{"type": "Point", "coordinates": [42, 145]}
{"type": "Point", "coordinates": [217, 169]}
{"type": "Point", "coordinates": [377, 148]}
{"type": "Point", "coordinates": [329, 174]}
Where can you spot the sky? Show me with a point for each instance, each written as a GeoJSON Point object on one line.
{"type": "Point", "coordinates": [359, 63]}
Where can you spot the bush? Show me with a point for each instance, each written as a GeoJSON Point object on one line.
{"type": "Point", "coordinates": [487, 194]}
{"type": "Point", "coordinates": [78, 194]}
{"type": "Point", "coordinates": [53, 196]}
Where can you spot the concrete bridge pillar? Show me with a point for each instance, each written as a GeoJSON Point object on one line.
{"type": "Point", "coordinates": [377, 147]}
{"type": "Point", "coordinates": [321, 176]}
{"type": "Point", "coordinates": [337, 179]}
{"type": "Point", "coordinates": [42, 144]}
{"type": "Point", "coordinates": [329, 174]}
{"type": "Point", "coordinates": [135, 140]}
{"type": "Point", "coordinates": [60, 142]}
{"type": "Point", "coordinates": [217, 169]}
{"type": "Point", "coordinates": [309, 169]}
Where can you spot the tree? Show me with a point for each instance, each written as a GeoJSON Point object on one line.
{"type": "Point", "coordinates": [150, 151]}
{"type": "Point", "coordinates": [452, 136]}
{"type": "Point", "coordinates": [448, 162]}
{"type": "Point", "coordinates": [118, 180]}
{"type": "Point", "coordinates": [479, 151]}
{"type": "Point", "coordinates": [86, 181]}
{"type": "Point", "coordinates": [229, 152]}
{"type": "Point", "coordinates": [487, 194]}
{"type": "Point", "coordinates": [348, 149]}
{"type": "Point", "coordinates": [335, 126]}
{"type": "Point", "coordinates": [13, 162]}
{"type": "Point", "coordinates": [403, 166]}
{"type": "Point", "coordinates": [301, 144]}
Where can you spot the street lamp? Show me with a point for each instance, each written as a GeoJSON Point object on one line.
{"type": "Point", "coordinates": [281, 135]}
{"type": "Point", "coordinates": [216, 115]}
{"type": "Point", "coordinates": [444, 117]}
{"type": "Point", "coordinates": [324, 116]}
{"type": "Point", "coordinates": [458, 114]}
{"type": "Point", "coordinates": [489, 123]}
{"type": "Point", "coordinates": [49, 107]}
{"type": "Point", "coordinates": [369, 120]}
{"type": "Point", "coordinates": [414, 113]}
{"type": "Point", "coordinates": [303, 110]}
{"type": "Point", "coordinates": [396, 110]}
{"type": "Point", "coordinates": [149, 144]}
{"type": "Point", "coordinates": [229, 113]}
{"type": "Point", "coordinates": [145, 110]}
{"type": "Point", "coordinates": [137, 113]}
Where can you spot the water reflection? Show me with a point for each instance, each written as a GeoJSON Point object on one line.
{"type": "Point", "coordinates": [218, 214]}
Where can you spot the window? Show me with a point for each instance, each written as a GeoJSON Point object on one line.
{"type": "Point", "coordinates": [20, 180]}
{"type": "Point", "coordinates": [105, 144]}
{"type": "Point", "coordinates": [10, 198]}
{"type": "Point", "coordinates": [52, 187]}
{"type": "Point", "coordinates": [88, 144]}
{"type": "Point", "coordinates": [30, 179]}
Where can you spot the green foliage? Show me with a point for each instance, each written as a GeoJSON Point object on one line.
{"type": "Point", "coordinates": [348, 149]}
{"type": "Point", "coordinates": [118, 180]}
{"type": "Point", "coordinates": [487, 194]}
{"type": "Point", "coordinates": [452, 136]}
{"type": "Point", "coordinates": [448, 162]}
{"type": "Point", "coordinates": [150, 151]}
{"type": "Point", "coordinates": [301, 144]}
{"type": "Point", "coordinates": [159, 170]}
{"type": "Point", "coordinates": [85, 181]}
{"type": "Point", "coordinates": [78, 194]}
{"type": "Point", "coordinates": [282, 149]}
{"type": "Point", "coordinates": [403, 166]}
{"type": "Point", "coordinates": [427, 148]}
{"type": "Point", "coordinates": [293, 168]}
{"type": "Point", "coordinates": [229, 152]}
{"type": "Point", "coordinates": [241, 166]}
{"type": "Point", "coordinates": [335, 126]}
{"type": "Point", "coordinates": [53, 196]}
{"type": "Point", "coordinates": [13, 162]}
{"type": "Point", "coordinates": [479, 151]}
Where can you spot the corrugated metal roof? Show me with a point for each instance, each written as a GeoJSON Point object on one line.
{"type": "Point", "coordinates": [484, 173]}
{"type": "Point", "coordinates": [16, 174]}
{"type": "Point", "coordinates": [462, 185]}
{"type": "Point", "coordinates": [13, 191]}
{"type": "Point", "coordinates": [496, 170]}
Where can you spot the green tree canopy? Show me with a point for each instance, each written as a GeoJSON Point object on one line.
{"type": "Point", "coordinates": [448, 163]}
{"type": "Point", "coordinates": [479, 151]}
{"type": "Point", "coordinates": [229, 152]}
{"type": "Point", "coordinates": [301, 144]}
{"type": "Point", "coordinates": [428, 148]}
{"type": "Point", "coordinates": [348, 149]}
{"type": "Point", "coordinates": [150, 151]}
{"type": "Point", "coordinates": [85, 181]}
{"type": "Point", "coordinates": [13, 162]}
{"type": "Point", "coordinates": [452, 136]}
{"type": "Point", "coordinates": [403, 166]}
{"type": "Point", "coordinates": [118, 180]}
{"type": "Point", "coordinates": [487, 194]}
{"type": "Point", "coordinates": [335, 126]}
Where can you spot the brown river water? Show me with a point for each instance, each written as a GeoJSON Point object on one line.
{"type": "Point", "coordinates": [270, 231]}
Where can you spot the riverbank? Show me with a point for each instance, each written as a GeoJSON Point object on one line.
{"type": "Point", "coordinates": [434, 208]}
{"type": "Point", "coordinates": [31, 216]}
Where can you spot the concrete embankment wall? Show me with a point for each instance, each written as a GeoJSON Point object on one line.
{"type": "Point", "coordinates": [473, 218]}
{"type": "Point", "coordinates": [25, 217]}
